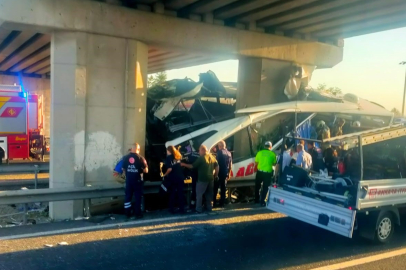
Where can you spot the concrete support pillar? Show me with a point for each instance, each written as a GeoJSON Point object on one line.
{"type": "Point", "coordinates": [98, 99]}
{"type": "Point", "coordinates": [68, 118]}
{"type": "Point", "coordinates": [260, 82]}
{"type": "Point", "coordinates": [136, 100]}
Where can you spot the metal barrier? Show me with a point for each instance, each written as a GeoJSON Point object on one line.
{"type": "Point", "coordinates": [34, 168]}
{"type": "Point", "coordinates": [83, 193]}
{"type": "Point", "coordinates": [28, 167]}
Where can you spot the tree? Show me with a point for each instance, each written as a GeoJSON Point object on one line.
{"type": "Point", "coordinates": [396, 112]}
{"type": "Point", "coordinates": [158, 79]}
{"type": "Point", "coordinates": [335, 91]}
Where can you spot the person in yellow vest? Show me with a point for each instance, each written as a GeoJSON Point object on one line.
{"type": "Point", "coordinates": [264, 160]}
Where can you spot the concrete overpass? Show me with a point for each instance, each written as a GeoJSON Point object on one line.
{"type": "Point", "coordinates": [325, 21]}
{"type": "Point", "coordinates": [98, 56]}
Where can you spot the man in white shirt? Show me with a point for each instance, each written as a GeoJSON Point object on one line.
{"type": "Point", "coordinates": [283, 160]}
{"type": "Point", "coordinates": [304, 159]}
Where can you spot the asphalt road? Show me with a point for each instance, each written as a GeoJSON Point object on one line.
{"type": "Point", "coordinates": [392, 263]}
{"type": "Point", "coordinates": [233, 239]}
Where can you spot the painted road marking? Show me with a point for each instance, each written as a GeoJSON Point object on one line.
{"type": "Point", "coordinates": [364, 260]}
{"type": "Point", "coordinates": [121, 224]}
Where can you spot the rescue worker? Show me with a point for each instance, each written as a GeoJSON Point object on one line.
{"type": "Point", "coordinates": [175, 175]}
{"type": "Point", "coordinates": [191, 157]}
{"type": "Point", "coordinates": [224, 160]}
{"type": "Point", "coordinates": [338, 127]}
{"type": "Point", "coordinates": [317, 156]}
{"type": "Point", "coordinates": [2, 154]}
{"type": "Point", "coordinates": [303, 160]}
{"type": "Point", "coordinates": [283, 159]}
{"type": "Point", "coordinates": [331, 161]}
{"type": "Point", "coordinates": [207, 169]}
{"type": "Point", "coordinates": [134, 165]}
{"type": "Point", "coordinates": [323, 131]}
{"type": "Point", "coordinates": [264, 161]}
{"type": "Point", "coordinates": [118, 173]}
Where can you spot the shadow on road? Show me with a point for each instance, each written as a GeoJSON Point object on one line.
{"type": "Point", "coordinates": [241, 240]}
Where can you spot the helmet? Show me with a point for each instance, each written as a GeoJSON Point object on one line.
{"type": "Point", "coordinates": [356, 124]}
{"type": "Point", "coordinates": [320, 124]}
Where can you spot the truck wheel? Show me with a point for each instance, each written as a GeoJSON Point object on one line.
{"type": "Point", "coordinates": [385, 228]}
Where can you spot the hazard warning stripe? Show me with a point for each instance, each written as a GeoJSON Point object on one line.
{"type": "Point", "coordinates": [3, 100]}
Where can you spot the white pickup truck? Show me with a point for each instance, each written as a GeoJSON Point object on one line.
{"type": "Point", "coordinates": [374, 199]}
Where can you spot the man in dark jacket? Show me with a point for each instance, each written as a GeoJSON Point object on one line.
{"type": "Point", "coordinates": [191, 157]}
{"type": "Point", "coordinates": [207, 169]}
{"type": "Point", "coordinates": [317, 156]}
{"type": "Point", "coordinates": [134, 165]}
{"type": "Point", "coordinates": [224, 160]}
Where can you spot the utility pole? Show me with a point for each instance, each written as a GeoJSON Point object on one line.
{"type": "Point", "coordinates": [404, 91]}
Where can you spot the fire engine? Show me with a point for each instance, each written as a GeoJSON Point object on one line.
{"type": "Point", "coordinates": [21, 124]}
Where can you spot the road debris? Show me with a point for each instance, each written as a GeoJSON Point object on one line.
{"type": "Point", "coordinates": [81, 218]}
{"type": "Point", "coordinates": [48, 245]}
{"type": "Point", "coordinates": [63, 244]}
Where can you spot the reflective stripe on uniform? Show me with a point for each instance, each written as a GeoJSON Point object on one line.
{"type": "Point", "coordinates": [127, 205]}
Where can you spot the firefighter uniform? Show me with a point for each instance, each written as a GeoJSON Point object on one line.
{"type": "Point", "coordinates": [133, 167]}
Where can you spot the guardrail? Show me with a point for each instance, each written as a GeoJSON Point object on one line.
{"type": "Point", "coordinates": [35, 168]}
{"type": "Point", "coordinates": [23, 182]}
{"type": "Point", "coordinates": [84, 193]}
{"type": "Point", "coordinates": [29, 167]}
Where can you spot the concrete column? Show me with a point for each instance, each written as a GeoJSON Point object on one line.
{"type": "Point", "coordinates": [136, 99]}
{"type": "Point", "coordinates": [68, 118]}
{"type": "Point", "coordinates": [260, 82]}
{"type": "Point", "coordinates": [97, 110]}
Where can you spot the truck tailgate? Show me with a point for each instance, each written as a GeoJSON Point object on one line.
{"type": "Point", "coordinates": [337, 219]}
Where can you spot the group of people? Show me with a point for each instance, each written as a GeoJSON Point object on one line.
{"type": "Point", "coordinates": [212, 173]}
{"type": "Point", "coordinates": [314, 159]}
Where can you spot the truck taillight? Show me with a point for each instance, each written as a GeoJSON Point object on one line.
{"type": "Point", "coordinates": [279, 201]}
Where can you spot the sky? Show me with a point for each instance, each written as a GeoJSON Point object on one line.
{"type": "Point", "coordinates": [370, 68]}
